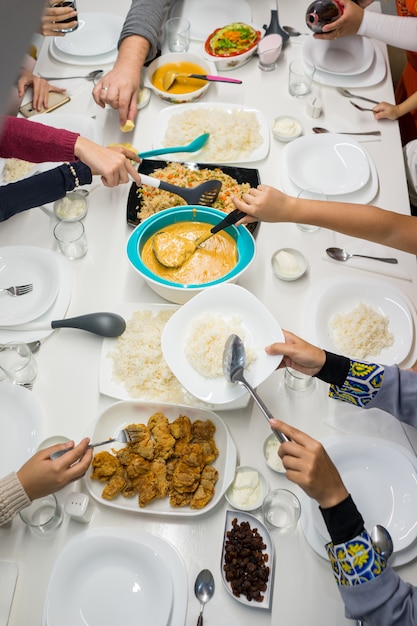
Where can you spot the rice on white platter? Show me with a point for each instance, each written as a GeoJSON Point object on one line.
{"type": "Point", "coordinates": [361, 332]}
{"type": "Point", "coordinates": [234, 134]}
{"type": "Point", "coordinates": [15, 169]}
{"type": "Point", "coordinates": [207, 336]}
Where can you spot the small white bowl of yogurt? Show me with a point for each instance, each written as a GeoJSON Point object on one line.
{"type": "Point", "coordinates": [288, 264]}
{"type": "Point", "coordinates": [72, 207]}
{"type": "Point", "coordinates": [272, 459]}
{"type": "Point", "coordinates": [286, 128]}
{"type": "Point", "coordinates": [248, 489]}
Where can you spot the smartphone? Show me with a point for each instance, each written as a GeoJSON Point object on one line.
{"type": "Point", "coordinates": [55, 100]}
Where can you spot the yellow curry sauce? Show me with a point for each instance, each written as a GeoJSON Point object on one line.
{"type": "Point", "coordinates": [216, 257]}
{"type": "Point", "coordinates": [182, 84]}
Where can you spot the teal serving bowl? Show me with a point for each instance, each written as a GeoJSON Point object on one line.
{"type": "Point", "coordinates": [176, 292]}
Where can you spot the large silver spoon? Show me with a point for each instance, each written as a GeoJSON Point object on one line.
{"type": "Point", "coordinates": [203, 590]}
{"type": "Point", "coordinates": [102, 323]}
{"type": "Point", "coordinates": [320, 129]}
{"type": "Point", "coordinates": [349, 94]}
{"type": "Point", "coordinates": [234, 363]}
{"type": "Point", "coordinates": [91, 76]}
{"type": "Point", "coordinates": [342, 255]}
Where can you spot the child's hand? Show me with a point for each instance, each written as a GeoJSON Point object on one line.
{"type": "Point", "coordinates": [384, 110]}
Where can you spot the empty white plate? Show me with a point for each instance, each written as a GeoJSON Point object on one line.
{"type": "Point", "coordinates": [97, 33]}
{"type": "Point", "coordinates": [347, 55]}
{"type": "Point", "coordinates": [331, 164]}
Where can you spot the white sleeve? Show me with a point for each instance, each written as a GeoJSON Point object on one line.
{"type": "Point", "coordinates": [393, 30]}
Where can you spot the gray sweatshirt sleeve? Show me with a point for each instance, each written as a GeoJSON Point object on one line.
{"type": "Point", "coordinates": [397, 394]}
{"type": "Point", "coordinates": [146, 18]}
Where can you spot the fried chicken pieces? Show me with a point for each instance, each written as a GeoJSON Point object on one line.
{"type": "Point", "coordinates": [162, 459]}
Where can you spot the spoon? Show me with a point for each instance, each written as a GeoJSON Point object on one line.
{"type": "Point", "coordinates": [293, 32]}
{"type": "Point", "coordinates": [319, 130]}
{"type": "Point", "coordinates": [204, 194]}
{"type": "Point", "coordinates": [383, 541]}
{"type": "Point", "coordinates": [195, 145]}
{"type": "Point", "coordinates": [349, 94]}
{"type": "Point", "coordinates": [342, 255]}
{"type": "Point", "coordinates": [203, 590]}
{"type": "Point", "coordinates": [174, 251]}
{"type": "Point", "coordinates": [170, 77]}
{"type": "Point", "coordinates": [91, 76]}
{"type": "Point", "coordinates": [234, 362]}
{"type": "Point", "coordinates": [101, 323]}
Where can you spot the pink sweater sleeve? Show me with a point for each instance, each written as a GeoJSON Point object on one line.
{"type": "Point", "coordinates": [31, 141]}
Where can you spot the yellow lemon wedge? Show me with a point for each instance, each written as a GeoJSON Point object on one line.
{"type": "Point", "coordinates": [128, 127]}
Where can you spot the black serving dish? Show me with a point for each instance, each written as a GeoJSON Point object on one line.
{"type": "Point", "coordinates": [149, 166]}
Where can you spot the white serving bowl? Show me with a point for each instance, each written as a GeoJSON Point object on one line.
{"type": "Point", "coordinates": [175, 292]}
{"type": "Point", "coordinates": [233, 60]}
{"type": "Point", "coordinates": [263, 490]}
{"type": "Point", "coordinates": [178, 57]}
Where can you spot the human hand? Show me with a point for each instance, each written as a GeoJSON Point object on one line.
{"type": "Point", "coordinates": [308, 465]}
{"type": "Point", "coordinates": [41, 476]}
{"type": "Point", "coordinates": [264, 203]}
{"type": "Point", "coordinates": [52, 21]}
{"type": "Point", "coordinates": [113, 164]}
{"type": "Point", "coordinates": [384, 110]}
{"type": "Point", "coordinates": [298, 354]}
{"type": "Point", "coordinates": [347, 24]}
{"type": "Point", "coordinates": [119, 88]}
{"type": "Point", "coordinates": [40, 88]}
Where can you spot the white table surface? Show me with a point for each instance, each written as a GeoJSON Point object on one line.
{"type": "Point", "coordinates": [67, 383]}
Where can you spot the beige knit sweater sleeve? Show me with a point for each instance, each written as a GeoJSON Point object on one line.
{"type": "Point", "coordinates": [13, 497]}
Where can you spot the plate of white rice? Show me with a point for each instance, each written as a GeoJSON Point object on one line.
{"type": "Point", "coordinates": [194, 337]}
{"type": "Point", "coordinates": [362, 319]}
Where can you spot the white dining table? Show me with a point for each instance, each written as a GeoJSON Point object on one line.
{"type": "Point", "coordinates": [304, 591]}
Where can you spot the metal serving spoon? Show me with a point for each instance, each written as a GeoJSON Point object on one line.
{"type": "Point", "coordinates": [234, 363]}
{"type": "Point", "coordinates": [358, 106]}
{"type": "Point", "coordinates": [204, 591]}
{"type": "Point", "coordinates": [293, 32]}
{"type": "Point", "coordinates": [318, 130]}
{"type": "Point", "coordinates": [342, 255]}
{"type": "Point", "coordinates": [174, 251]}
{"type": "Point", "coordinates": [383, 541]}
{"type": "Point", "coordinates": [204, 194]}
{"type": "Point", "coordinates": [195, 145]}
{"type": "Point", "coordinates": [349, 94]}
{"type": "Point", "coordinates": [170, 77]}
{"type": "Point", "coordinates": [102, 323]}
{"type": "Point", "coordinates": [91, 76]}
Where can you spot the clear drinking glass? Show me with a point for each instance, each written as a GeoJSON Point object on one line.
{"type": "Point", "coordinates": [178, 34]}
{"type": "Point", "coordinates": [300, 78]}
{"type": "Point", "coordinates": [70, 4]}
{"type": "Point", "coordinates": [71, 239]}
{"type": "Point", "coordinates": [281, 510]}
{"type": "Point", "coordinates": [18, 363]}
{"type": "Point", "coordinates": [310, 194]}
{"type": "Point", "coordinates": [43, 516]}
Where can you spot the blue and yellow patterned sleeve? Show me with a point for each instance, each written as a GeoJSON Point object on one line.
{"type": "Point", "coordinates": [361, 385]}
{"type": "Point", "coordinates": [356, 561]}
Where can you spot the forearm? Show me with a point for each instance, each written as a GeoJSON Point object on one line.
{"type": "Point", "coordinates": [133, 52]}
{"type": "Point", "coordinates": [407, 105]}
{"type": "Point", "coordinates": [393, 30]}
{"type": "Point", "coordinates": [13, 497]}
{"type": "Point", "coordinates": [145, 19]}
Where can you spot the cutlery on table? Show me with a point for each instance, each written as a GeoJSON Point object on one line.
{"type": "Point", "coordinates": [204, 194]}
{"type": "Point", "coordinates": [195, 145]}
{"type": "Point", "coordinates": [342, 255]}
{"type": "Point", "coordinates": [357, 106]}
{"type": "Point", "coordinates": [383, 541]}
{"type": "Point", "coordinates": [124, 436]}
{"type": "Point", "coordinates": [175, 256]}
{"type": "Point", "coordinates": [293, 32]}
{"type": "Point", "coordinates": [170, 77]}
{"type": "Point", "coordinates": [234, 363]}
{"type": "Point", "coordinates": [91, 76]}
{"type": "Point", "coordinates": [319, 130]}
{"type": "Point", "coordinates": [349, 94]}
{"type": "Point", "coordinates": [103, 324]}
{"type": "Point", "coordinates": [203, 590]}
{"type": "Point", "coordinates": [18, 290]}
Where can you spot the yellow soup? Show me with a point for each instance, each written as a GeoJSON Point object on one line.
{"type": "Point", "coordinates": [213, 259]}
{"type": "Point", "coordinates": [182, 84]}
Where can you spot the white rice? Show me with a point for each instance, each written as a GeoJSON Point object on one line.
{"type": "Point", "coordinates": [205, 341]}
{"type": "Point", "coordinates": [234, 133]}
{"type": "Point", "coordinates": [15, 169]}
{"type": "Point", "coordinates": [361, 332]}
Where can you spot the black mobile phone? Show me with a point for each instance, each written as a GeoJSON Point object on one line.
{"type": "Point", "coordinates": [55, 100]}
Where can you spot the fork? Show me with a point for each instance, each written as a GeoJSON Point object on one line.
{"type": "Point", "coordinates": [357, 106]}
{"type": "Point", "coordinates": [18, 290]}
{"type": "Point", "coordinates": [123, 436]}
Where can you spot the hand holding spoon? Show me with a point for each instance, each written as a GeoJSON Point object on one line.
{"type": "Point", "coordinates": [342, 255]}
{"type": "Point", "coordinates": [203, 590]}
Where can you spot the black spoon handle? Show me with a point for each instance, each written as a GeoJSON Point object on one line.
{"type": "Point", "coordinates": [230, 219]}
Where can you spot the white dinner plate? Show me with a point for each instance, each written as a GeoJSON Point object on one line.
{"type": "Point", "coordinates": [95, 61]}
{"type": "Point", "coordinates": [207, 15]}
{"type": "Point", "coordinates": [254, 522]}
{"type": "Point", "coordinates": [117, 571]}
{"type": "Point", "coordinates": [22, 265]}
{"type": "Point", "coordinates": [21, 417]}
{"type": "Point", "coordinates": [97, 34]}
{"type": "Point", "coordinates": [121, 414]}
{"type": "Point", "coordinates": [341, 295]}
{"type": "Point", "coordinates": [8, 578]}
{"type": "Point", "coordinates": [382, 478]}
{"type": "Point", "coordinates": [360, 196]}
{"type": "Point", "coordinates": [330, 163]}
{"type": "Point", "coordinates": [165, 116]}
{"type": "Point", "coordinates": [55, 312]}
{"type": "Point", "coordinates": [260, 328]}
{"type": "Point", "coordinates": [344, 56]}
{"type": "Point", "coordinates": [372, 76]}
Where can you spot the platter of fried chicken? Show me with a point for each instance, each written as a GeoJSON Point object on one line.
{"type": "Point", "coordinates": [179, 461]}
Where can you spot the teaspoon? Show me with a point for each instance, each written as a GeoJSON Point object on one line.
{"type": "Point", "coordinates": [203, 590]}
{"type": "Point", "coordinates": [293, 32]}
{"type": "Point", "coordinates": [349, 94]}
{"type": "Point", "coordinates": [383, 541]}
{"type": "Point", "coordinates": [318, 130]}
{"type": "Point", "coordinates": [342, 255]}
{"type": "Point", "coordinates": [91, 76]}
